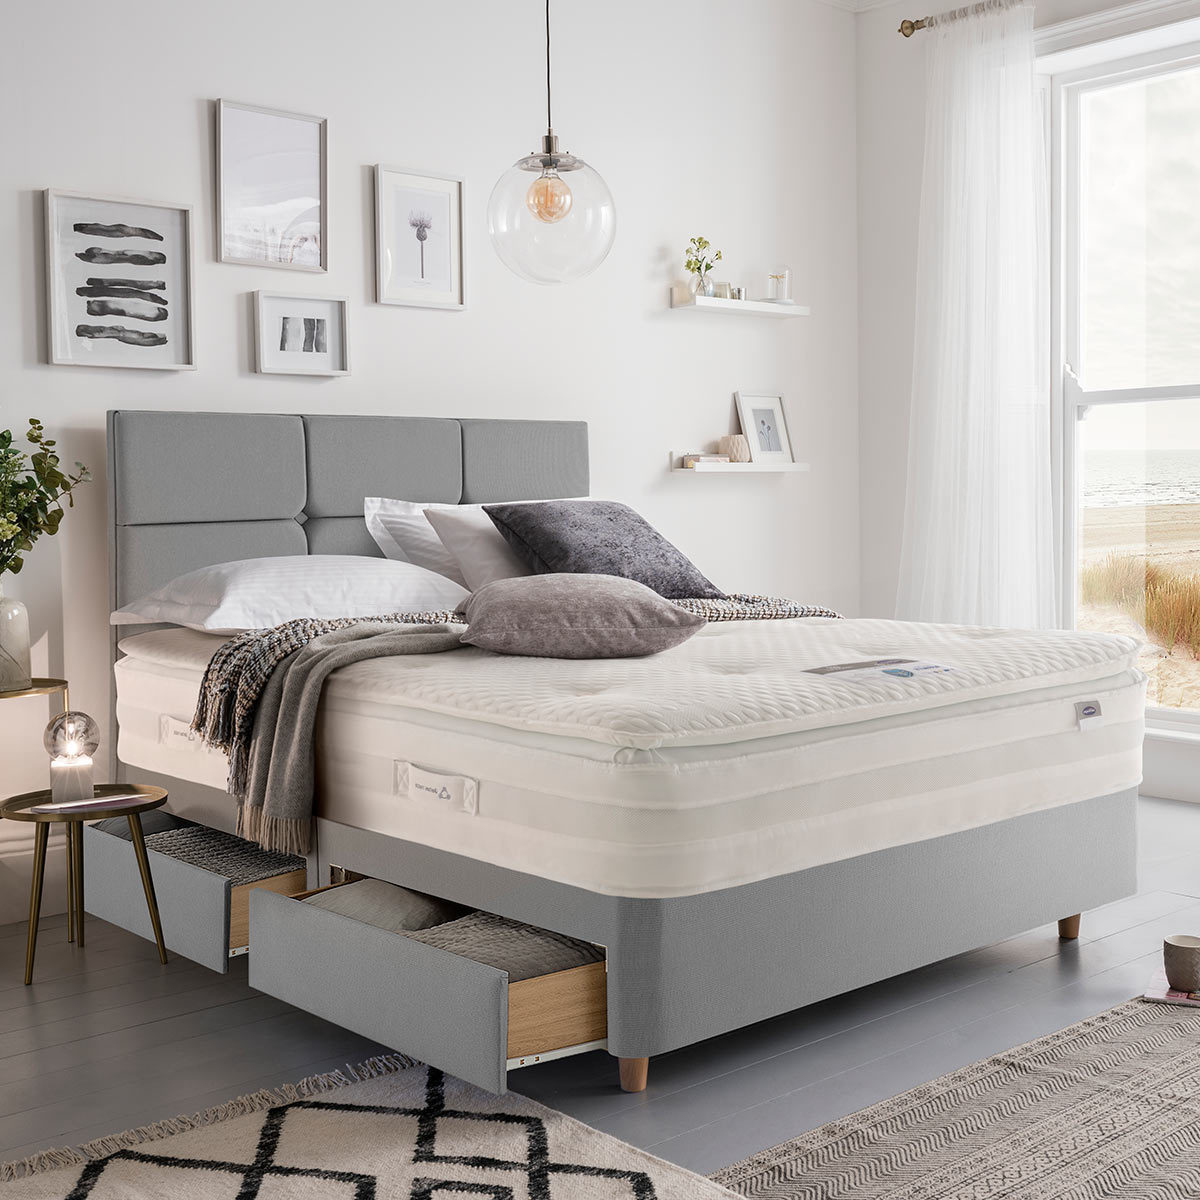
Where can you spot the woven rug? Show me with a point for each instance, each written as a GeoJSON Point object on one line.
{"type": "Point", "coordinates": [387, 1130]}
{"type": "Point", "coordinates": [1109, 1107]}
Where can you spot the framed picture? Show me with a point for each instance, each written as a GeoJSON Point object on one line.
{"type": "Point", "coordinates": [765, 427]}
{"type": "Point", "coordinates": [119, 282]}
{"type": "Point", "coordinates": [301, 335]}
{"type": "Point", "coordinates": [272, 188]}
{"type": "Point", "coordinates": [418, 239]}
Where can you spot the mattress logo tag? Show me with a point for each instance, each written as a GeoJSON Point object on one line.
{"type": "Point", "coordinates": [454, 792]}
{"type": "Point", "coordinates": [1089, 714]}
{"type": "Point", "coordinates": [178, 734]}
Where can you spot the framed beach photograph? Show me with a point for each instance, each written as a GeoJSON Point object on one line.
{"type": "Point", "coordinates": [119, 282]}
{"type": "Point", "coordinates": [418, 239]}
{"type": "Point", "coordinates": [301, 335]}
{"type": "Point", "coordinates": [765, 427]}
{"type": "Point", "coordinates": [272, 188]}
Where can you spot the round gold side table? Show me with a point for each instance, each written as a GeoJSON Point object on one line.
{"type": "Point", "coordinates": [142, 798]}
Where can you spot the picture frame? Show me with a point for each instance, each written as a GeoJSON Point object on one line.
{"type": "Point", "coordinates": [764, 423]}
{"type": "Point", "coordinates": [119, 282]}
{"type": "Point", "coordinates": [272, 178]}
{"type": "Point", "coordinates": [419, 239]}
{"type": "Point", "coordinates": [301, 335]}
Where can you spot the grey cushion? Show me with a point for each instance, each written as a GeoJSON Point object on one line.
{"type": "Point", "coordinates": [599, 537]}
{"type": "Point", "coordinates": [386, 906]}
{"type": "Point", "coordinates": [575, 616]}
{"type": "Point", "coordinates": [524, 951]}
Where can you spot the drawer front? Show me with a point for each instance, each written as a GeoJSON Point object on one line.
{"type": "Point", "coordinates": [192, 903]}
{"type": "Point", "coordinates": [436, 1006]}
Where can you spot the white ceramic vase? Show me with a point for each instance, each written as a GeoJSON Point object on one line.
{"type": "Point", "coordinates": [14, 644]}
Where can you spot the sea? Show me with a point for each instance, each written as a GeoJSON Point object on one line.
{"type": "Point", "coordinates": [1116, 477]}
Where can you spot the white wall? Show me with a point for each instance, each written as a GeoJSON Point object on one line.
{"type": "Point", "coordinates": [731, 118]}
{"type": "Point", "coordinates": [891, 138]}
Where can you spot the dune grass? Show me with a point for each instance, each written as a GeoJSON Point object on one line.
{"type": "Point", "coordinates": [1166, 605]}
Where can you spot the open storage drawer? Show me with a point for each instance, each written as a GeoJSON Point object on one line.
{"type": "Point", "coordinates": [205, 914]}
{"type": "Point", "coordinates": [452, 1012]}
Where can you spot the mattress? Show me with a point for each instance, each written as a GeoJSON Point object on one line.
{"type": "Point", "coordinates": [754, 749]}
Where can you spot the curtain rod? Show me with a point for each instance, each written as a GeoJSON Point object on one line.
{"type": "Point", "coordinates": [908, 28]}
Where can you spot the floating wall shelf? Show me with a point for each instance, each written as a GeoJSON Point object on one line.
{"type": "Point", "coordinates": [765, 468]}
{"type": "Point", "coordinates": [682, 298]}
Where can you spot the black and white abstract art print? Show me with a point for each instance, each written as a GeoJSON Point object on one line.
{"type": "Point", "coordinates": [119, 282]}
{"type": "Point", "coordinates": [271, 187]}
{"type": "Point", "coordinates": [418, 235]}
{"type": "Point", "coordinates": [301, 335]}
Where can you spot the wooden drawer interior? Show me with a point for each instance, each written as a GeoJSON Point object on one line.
{"type": "Point", "coordinates": [287, 884]}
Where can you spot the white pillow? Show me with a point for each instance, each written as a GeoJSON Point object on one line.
{"type": "Point", "coordinates": [471, 536]}
{"type": "Point", "coordinates": [258, 593]}
{"type": "Point", "coordinates": [402, 533]}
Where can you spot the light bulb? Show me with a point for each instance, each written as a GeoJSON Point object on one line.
{"type": "Point", "coordinates": [548, 198]}
{"type": "Point", "coordinates": [72, 749]}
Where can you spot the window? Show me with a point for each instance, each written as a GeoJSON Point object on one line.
{"type": "Point", "coordinates": [1128, 213]}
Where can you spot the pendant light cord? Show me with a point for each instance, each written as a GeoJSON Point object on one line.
{"type": "Point", "coordinates": [549, 122]}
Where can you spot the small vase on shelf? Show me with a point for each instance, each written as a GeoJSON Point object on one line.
{"type": "Point", "coordinates": [14, 644]}
{"type": "Point", "coordinates": [703, 286]}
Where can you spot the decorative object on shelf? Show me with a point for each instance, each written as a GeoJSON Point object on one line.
{"type": "Point", "coordinates": [549, 229]}
{"type": "Point", "coordinates": [418, 238]}
{"type": "Point", "coordinates": [272, 188]}
{"type": "Point", "coordinates": [779, 285]}
{"type": "Point", "coordinates": [32, 489]}
{"type": "Point", "coordinates": [688, 461]}
{"type": "Point", "coordinates": [737, 293]}
{"type": "Point", "coordinates": [71, 739]}
{"type": "Point", "coordinates": [301, 335]}
{"type": "Point", "coordinates": [765, 427]}
{"type": "Point", "coordinates": [119, 282]}
{"type": "Point", "coordinates": [723, 291]}
{"type": "Point", "coordinates": [699, 263]}
{"type": "Point", "coordinates": [1181, 960]}
{"type": "Point", "coordinates": [735, 447]}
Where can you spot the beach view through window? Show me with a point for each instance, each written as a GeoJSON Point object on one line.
{"type": "Point", "coordinates": [1138, 306]}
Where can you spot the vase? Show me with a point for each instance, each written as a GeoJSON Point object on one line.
{"type": "Point", "coordinates": [14, 644]}
{"type": "Point", "coordinates": [703, 286]}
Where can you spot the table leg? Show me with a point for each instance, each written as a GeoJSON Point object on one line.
{"type": "Point", "coordinates": [70, 843]}
{"type": "Point", "coordinates": [76, 828]}
{"type": "Point", "coordinates": [40, 837]}
{"type": "Point", "coordinates": [139, 848]}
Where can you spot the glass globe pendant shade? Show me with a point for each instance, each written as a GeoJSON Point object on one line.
{"type": "Point", "coordinates": [71, 735]}
{"type": "Point", "coordinates": [557, 227]}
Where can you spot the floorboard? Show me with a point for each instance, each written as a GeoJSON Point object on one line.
{"type": "Point", "coordinates": [107, 1038]}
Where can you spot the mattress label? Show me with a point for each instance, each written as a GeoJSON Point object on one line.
{"type": "Point", "coordinates": [897, 668]}
{"type": "Point", "coordinates": [179, 735]}
{"type": "Point", "coordinates": [1089, 714]}
{"type": "Point", "coordinates": [454, 792]}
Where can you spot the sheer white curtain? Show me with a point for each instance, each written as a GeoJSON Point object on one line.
{"type": "Point", "coordinates": [978, 524]}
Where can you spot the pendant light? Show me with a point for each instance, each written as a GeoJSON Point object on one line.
{"type": "Point", "coordinates": [551, 216]}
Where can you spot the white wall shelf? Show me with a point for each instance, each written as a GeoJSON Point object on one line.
{"type": "Point", "coordinates": [751, 468]}
{"type": "Point", "coordinates": [682, 298]}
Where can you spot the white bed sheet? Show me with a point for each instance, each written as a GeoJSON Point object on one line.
{"type": "Point", "coordinates": [720, 762]}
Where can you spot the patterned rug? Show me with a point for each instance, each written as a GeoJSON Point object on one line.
{"type": "Point", "coordinates": [1109, 1107]}
{"type": "Point", "coordinates": [387, 1130]}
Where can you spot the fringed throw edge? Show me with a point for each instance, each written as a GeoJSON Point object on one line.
{"type": "Point", "coordinates": [288, 835]}
{"type": "Point", "coordinates": [315, 1085]}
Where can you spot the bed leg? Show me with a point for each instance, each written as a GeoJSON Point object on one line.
{"type": "Point", "coordinates": [1068, 928]}
{"type": "Point", "coordinates": [633, 1074]}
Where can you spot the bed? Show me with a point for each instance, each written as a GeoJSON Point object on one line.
{"type": "Point", "coordinates": [742, 833]}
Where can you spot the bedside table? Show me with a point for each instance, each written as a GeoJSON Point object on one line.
{"type": "Point", "coordinates": [141, 798]}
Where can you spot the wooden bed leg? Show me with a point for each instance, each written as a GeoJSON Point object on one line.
{"type": "Point", "coordinates": [633, 1074]}
{"type": "Point", "coordinates": [1068, 928]}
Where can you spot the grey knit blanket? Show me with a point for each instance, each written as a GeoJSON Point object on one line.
{"type": "Point", "coordinates": [261, 690]}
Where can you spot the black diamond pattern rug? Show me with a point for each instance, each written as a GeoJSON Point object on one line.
{"type": "Point", "coordinates": [408, 1134]}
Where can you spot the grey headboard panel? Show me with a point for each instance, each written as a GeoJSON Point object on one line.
{"type": "Point", "coordinates": [190, 489]}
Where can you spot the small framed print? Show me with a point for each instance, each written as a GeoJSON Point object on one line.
{"type": "Point", "coordinates": [301, 335]}
{"type": "Point", "coordinates": [119, 282]}
{"type": "Point", "coordinates": [272, 188]}
{"type": "Point", "coordinates": [765, 427]}
{"type": "Point", "coordinates": [418, 239]}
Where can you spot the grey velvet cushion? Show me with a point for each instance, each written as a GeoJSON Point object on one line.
{"type": "Point", "coordinates": [386, 906]}
{"type": "Point", "coordinates": [524, 951]}
{"type": "Point", "coordinates": [599, 537]}
{"type": "Point", "coordinates": [574, 616]}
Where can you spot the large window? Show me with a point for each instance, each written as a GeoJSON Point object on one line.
{"type": "Point", "coordinates": [1129, 232]}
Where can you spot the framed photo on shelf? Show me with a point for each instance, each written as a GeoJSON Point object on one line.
{"type": "Point", "coordinates": [301, 335]}
{"type": "Point", "coordinates": [765, 426]}
{"type": "Point", "coordinates": [119, 282]}
{"type": "Point", "coordinates": [418, 238]}
{"type": "Point", "coordinates": [272, 188]}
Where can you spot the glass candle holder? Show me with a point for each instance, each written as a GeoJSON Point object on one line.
{"type": "Point", "coordinates": [779, 284]}
{"type": "Point", "coordinates": [71, 739]}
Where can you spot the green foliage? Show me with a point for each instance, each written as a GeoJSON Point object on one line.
{"type": "Point", "coordinates": [32, 489]}
{"type": "Point", "coordinates": [696, 259]}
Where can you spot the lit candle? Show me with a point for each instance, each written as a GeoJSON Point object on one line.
{"type": "Point", "coordinates": [71, 739]}
{"type": "Point", "coordinates": [71, 778]}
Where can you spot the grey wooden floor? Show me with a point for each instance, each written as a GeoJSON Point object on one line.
{"type": "Point", "coordinates": [107, 1039]}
